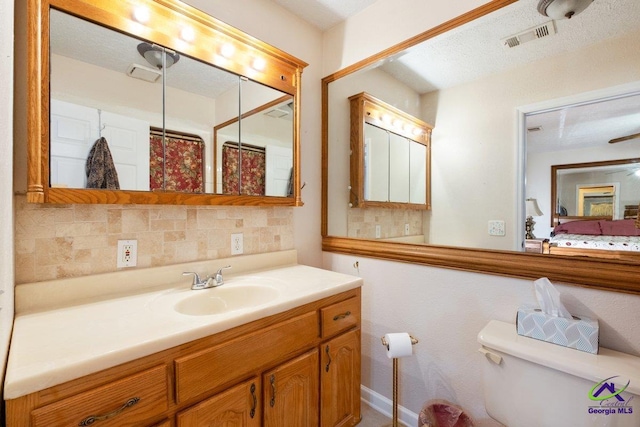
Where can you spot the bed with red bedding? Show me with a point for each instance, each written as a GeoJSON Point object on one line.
{"type": "Point", "coordinates": [614, 239]}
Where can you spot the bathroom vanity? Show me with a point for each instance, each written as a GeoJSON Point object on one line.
{"type": "Point", "coordinates": [172, 356]}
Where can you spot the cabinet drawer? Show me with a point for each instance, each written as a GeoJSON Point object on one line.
{"type": "Point", "coordinates": [220, 365]}
{"type": "Point", "coordinates": [126, 402]}
{"type": "Point", "coordinates": [340, 316]}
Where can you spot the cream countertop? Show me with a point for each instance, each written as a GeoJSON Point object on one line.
{"type": "Point", "coordinates": [53, 346]}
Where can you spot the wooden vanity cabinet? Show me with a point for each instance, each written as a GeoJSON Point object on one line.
{"type": "Point", "coordinates": [297, 368]}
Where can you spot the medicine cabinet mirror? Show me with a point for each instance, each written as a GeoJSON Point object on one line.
{"type": "Point", "coordinates": [161, 83]}
{"type": "Point", "coordinates": [390, 156]}
{"type": "Point", "coordinates": [481, 94]}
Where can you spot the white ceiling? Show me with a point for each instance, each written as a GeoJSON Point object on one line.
{"type": "Point", "coordinates": [84, 41]}
{"type": "Point", "coordinates": [324, 14]}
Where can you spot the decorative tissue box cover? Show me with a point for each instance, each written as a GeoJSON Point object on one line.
{"type": "Point", "coordinates": [580, 333]}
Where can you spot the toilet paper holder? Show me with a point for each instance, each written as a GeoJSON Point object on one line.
{"type": "Point", "coordinates": [414, 341]}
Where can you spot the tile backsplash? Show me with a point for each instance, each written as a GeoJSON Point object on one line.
{"type": "Point", "coordinates": [362, 222]}
{"type": "Point", "coordinates": [58, 241]}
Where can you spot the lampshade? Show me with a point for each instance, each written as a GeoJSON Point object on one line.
{"type": "Point", "coordinates": [559, 9]}
{"type": "Point", "coordinates": [153, 55]}
{"type": "Point", "coordinates": [532, 208]}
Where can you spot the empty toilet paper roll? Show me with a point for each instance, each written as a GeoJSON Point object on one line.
{"type": "Point", "coordinates": [398, 345]}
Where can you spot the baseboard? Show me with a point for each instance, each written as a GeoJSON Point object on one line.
{"type": "Point", "coordinates": [385, 406]}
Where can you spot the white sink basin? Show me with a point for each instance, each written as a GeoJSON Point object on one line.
{"type": "Point", "coordinates": [226, 298]}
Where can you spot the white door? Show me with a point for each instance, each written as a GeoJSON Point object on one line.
{"type": "Point", "coordinates": [279, 161]}
{"type": "Point", "coordinates": [74, 130]}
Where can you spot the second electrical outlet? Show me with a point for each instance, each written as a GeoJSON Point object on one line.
{"type": "Point", "coordinates": [237, 246]}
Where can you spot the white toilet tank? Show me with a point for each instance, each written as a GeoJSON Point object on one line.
{"type": "Point", "coordinates": [532, 383]}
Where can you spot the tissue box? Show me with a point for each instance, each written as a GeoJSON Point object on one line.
{"type": "Point", "coordinates": [580, 333]}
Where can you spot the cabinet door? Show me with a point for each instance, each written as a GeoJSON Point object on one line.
{"type": "Point", "coordinates": [236, 407]}
{"type": "Point", "coordinates": [291, 393]}
{"type": "Point", "coordinates": [340, 381]}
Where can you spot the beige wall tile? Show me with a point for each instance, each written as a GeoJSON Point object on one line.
{"type": "Point", "coordinates": [135, 220]}
{"type": "Point", "coordinates": [56, 241]}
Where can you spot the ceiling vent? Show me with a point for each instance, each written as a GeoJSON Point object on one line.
{"type": "Point", "coordinates": [141, 72]}
{"type": "Point", "coordinates": [281, 112]}
{"type": "Point", "coordinates": [534, 33]}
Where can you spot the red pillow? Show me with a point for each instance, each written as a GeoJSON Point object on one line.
{"type": "Point", "coordinates": [591, 228]}
{"type": "Point", "coordinates": [621, 227]}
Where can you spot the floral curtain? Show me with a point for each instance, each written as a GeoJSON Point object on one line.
{"type": "Point", "coordinates": [253, 170]}
{"type": "Point", "coordinates": [184, 163]}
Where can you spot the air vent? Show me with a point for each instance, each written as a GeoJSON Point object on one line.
{"type": "Point", "coordinates": [534, 33]}
{"type": "Point", "coordinates": [281, 112]}
{"type": "Point", "coordinates": [143, 73]}
{"type": "Point", "coordinates": [277, 113]}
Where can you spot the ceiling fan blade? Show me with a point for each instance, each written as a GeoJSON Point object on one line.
{"type": "Point", "coordinates": [624, 138]}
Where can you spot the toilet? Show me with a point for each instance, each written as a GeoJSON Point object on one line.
{"type": "Point", "coordinates": [532, 383]}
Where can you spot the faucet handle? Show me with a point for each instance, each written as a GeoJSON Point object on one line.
{"type": "Point", "coordinates": [196, 278]}
{"type": "Point", "coordinates": [223, 268]}
{"type": "Point", "coordinates": [217, 278]}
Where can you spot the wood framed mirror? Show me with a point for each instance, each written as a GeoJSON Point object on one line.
{"type": "Point", "coordinates": [493, 132]}
{"type": "Point", "coordinates": [115, 70]}
{"type": "Point", "coordinates": [390, 156]}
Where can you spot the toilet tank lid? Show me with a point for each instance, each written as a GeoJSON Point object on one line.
{"type": "Point", "coordinates": [503, 337]}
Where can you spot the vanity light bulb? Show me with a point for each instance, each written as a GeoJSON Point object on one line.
{"type": "Point", "coordinates": [141, 14]}
{"type": "Point", "coordinates": [417, 131]}
{"type": "Point", "coordinates": [227, 50]}
{"type": "Point", "coordinates": [259, 64]}
{"type": "Point", "coordinates": [386, 118]}
{"type": "Point", "coordinates": [397, 124]}
{"type": "Point", "coordinates": [187, 34]}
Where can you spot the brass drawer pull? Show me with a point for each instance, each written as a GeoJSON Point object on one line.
{"type": "Point", "coordinates": [93, 418]}
{"type": "Point", "coordinates": [273, 391]}
{"type": "Point", "coordinates": [341, 316]}
{"type": "Point", "coordinates": [255, 401]}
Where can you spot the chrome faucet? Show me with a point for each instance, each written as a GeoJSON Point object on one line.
{"type": "Point", "coordinates": [211, 281]}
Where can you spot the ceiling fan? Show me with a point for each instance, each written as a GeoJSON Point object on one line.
{"type": "Point", "coordinates": [625, 138]}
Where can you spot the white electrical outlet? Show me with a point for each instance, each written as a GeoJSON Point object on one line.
{"type": "Point", "coordinates": [237, 246]}
{"type": "Point", "coordinates": [496, 228]}
{"type": "Point", "coordinates": [377, 231]}
{"type": "Point", "coordinates": [406, 229]}
{"type": "Point", "coordinates": [127, 253]}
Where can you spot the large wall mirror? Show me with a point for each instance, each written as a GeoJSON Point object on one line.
{"type": "Point", "coordinates": [484, 85]}
{"type": "Point", "coordinates": [185, 109]}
